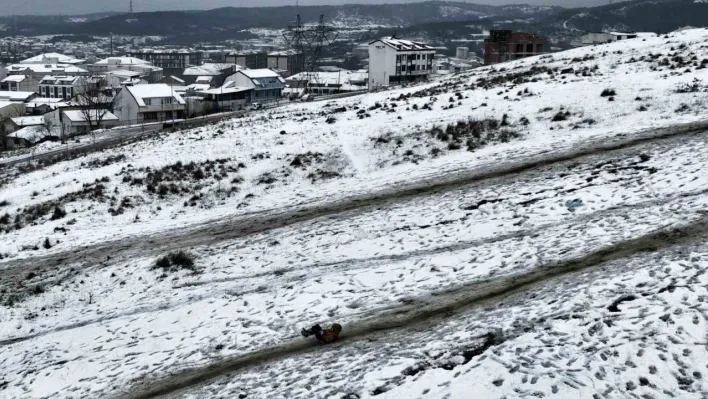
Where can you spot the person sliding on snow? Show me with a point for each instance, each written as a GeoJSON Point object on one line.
{"type": "Point", "coordinates": [324, 336]}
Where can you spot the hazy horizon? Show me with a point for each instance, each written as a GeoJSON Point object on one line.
{"type": "Point", "coordinates": [76, 7]}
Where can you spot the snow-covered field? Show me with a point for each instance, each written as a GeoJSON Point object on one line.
{"type": "Point", "coordinates": [108, 323]}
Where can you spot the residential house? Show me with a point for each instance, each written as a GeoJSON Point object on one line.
{"type": "Point", "coordinates": [289, 61]}
{"type": "Point", "coordinates": [605, 37]}
{"type": "Point", "coordinates": [148, 103]}
{"type": "Point", "coordinates": [267, 85]}
{"type": "Point", "coordinates": [8, 110]}
{"type": "Point", "coordinates": [64, 87]}
{"type": "Point", "coordinates": [121, 78]}
{"type": "Point", "coordinates": [251, 59]}
{"type": "Point", "coordinates": [43, 105]}
{"type": "Point", "coordinates": [26, 77]}
{"type": "Point", "coordinates": [16, 123]}
{"type": "Point", "coordinates": [144, 69]}
{"type": "Point", "coordinates": [505, 45]}
{"type": "Point", "coordinates": [228, 97]}
{"type": "Point", "coordinates": [216, 72]}
{"type": "Point", "coordinates": [326, 82]}
{"type": "Point", "coordinates": [396, 61]}
{"type": "Point", "coordinates": [76, 122]}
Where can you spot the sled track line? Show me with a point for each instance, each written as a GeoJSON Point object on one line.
{"type": "Point", "coordinates": [262, 221]}
{"type": "Point", "coordinates": [426, 311]}
{"type": "Point", "coordinates": [321, 268]}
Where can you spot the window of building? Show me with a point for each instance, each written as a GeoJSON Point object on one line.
{"type": "Point", "coordinates": [529, 48]}
{"type": "Point", "coordinates": [56, 92]}
{"type": "Point", "coordinates": [63, 92]}
{"type": "Point", "coordinates": [519, 48]}
{"type": "Point", "coordinates": [539, 48]}
{"type": "Point", "coordinates": [150, 116]}
{"type": "Point", "coordinates": [403, 68]}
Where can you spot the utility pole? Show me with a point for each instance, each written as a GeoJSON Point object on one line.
{"type": "Point", "coordinates": [131, 6]}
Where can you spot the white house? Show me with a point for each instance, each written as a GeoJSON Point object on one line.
{"type": "Point", "coordinates": [65, 87]}
{"type": "Point", "coordinates": [75, 122]}
{"type": "Point", "coordinates": [148, 103]}
{"type": "Point", "coordinates": [141, 68]}
{"type": "Point", "coordinates": [266, 84]}
{"type": "Point", "coordinates": [396, 61]}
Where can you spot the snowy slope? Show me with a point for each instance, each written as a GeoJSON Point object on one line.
{"type": "Point", "coordinates": [95, 328]}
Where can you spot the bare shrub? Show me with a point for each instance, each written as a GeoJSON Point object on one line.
{"type": "Point", "coordinates": [175, 261]}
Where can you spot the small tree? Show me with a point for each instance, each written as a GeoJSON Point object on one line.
{"type": "Point", "coordinates": [92, 101]}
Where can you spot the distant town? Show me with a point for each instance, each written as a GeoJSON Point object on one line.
{"type": "Point", "coordinates": [53, 88]}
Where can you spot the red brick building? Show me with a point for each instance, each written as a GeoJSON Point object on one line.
{"type": "Point", "coordinates": [505, 45]}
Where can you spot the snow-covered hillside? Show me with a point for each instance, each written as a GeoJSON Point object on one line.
{"type": "Point", "coordinates": [396, 207]}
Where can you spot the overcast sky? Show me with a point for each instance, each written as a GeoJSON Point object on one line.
{"type": "Point", "coordinates": [43, 7]}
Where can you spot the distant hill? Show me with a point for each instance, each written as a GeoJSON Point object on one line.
{"type": "Point", "coordinates": [228, 21]}
{"type": "Point", "coordinates": [639, 15]}
{"type": "Point", "coordinates": [439, 20]}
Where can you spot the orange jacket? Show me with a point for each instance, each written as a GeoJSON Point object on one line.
{"type": "Point", "coordinates": [328, 336]}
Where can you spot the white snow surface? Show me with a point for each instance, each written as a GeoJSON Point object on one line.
{"type": "Point", "coordinates": [110, 323]}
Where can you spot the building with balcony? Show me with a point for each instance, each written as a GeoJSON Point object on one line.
{"type": "Point", "coordinates": [505, 45]}
{"type": "Point", "coordinates": [26, 77]}
{"type": "Point", "coordinates": [148, 103]}
{"type": "Point", "coordinates": [64, 87]}
{"type": "Point", "coordinates": [267, 85]}
{"type": "Point", "coordinates": [396, 61]}
{"type": "Point", "coordinates": [173, 59]}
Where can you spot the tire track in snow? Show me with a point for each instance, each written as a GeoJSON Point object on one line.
{"type": "Point", "coordinates": [426, 311]}
{"type": "Point", "coordinates": [262, 221]}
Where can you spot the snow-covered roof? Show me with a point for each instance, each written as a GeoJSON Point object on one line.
{"type": "Point", "coordinates": [31, 133]}
{"type": "Point", "coordinates": [80, 116]}
{"type": "Point", "coordinates": [122, 61]}
{"type": "Point", "coordinates": [259, 73]}
{"type": "Point", "coordinates": [198, 87]}
{"type": "Point", "coordinates": [28, 120]}
{"type": "Point", "coordinates": [158, 90]}
{"type": "Point", "coordinates": [622, 34]}
{"type": "Point", "coordinates": [123, 73]}
{"type": "Point", "coordinates": [52, 103]}
{"type": "Point", "coordinates": [204, 79]}
{"type": "Point", "coordinates": [16, 95]}
{"type": "Point", "coordinates": [41, 58]}
{"type": "Point", "coordinates": [404, 45]}
{"type": "Point", "coordinates": [47, 68]}
{"type": "Point", "coordinates": [15, 78]}
{"type": "Point", "coordinates": [226, 90]}
{"type": "Point", "coordinates": [282, 53]}
{"type": "Point", "coordinates": [209, 69]}
{"type": "Point", "coordinates": [176, 79]}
